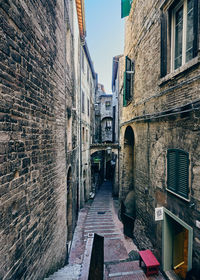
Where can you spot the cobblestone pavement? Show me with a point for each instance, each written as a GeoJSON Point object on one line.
{"type": "Point", "coordinates": [120, 253]}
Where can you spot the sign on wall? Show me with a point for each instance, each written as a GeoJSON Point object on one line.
{"type": "Point", "coordinates": [159, 214]}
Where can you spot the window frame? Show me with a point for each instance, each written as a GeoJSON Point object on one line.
{"type": "Point", "coordinates": [128, 80]}
{"type": "Point", "coordinates": [183, 3]}
{"type": "Point", "coordinates": [107, 104]}
{"type": "Point", "coordinates": [83, 102]}
{"type": "Point", "coordinates": [177, 174]}
{"type": "Point", "coordinates": [88, 107]}
{"type": "Point", "coordinates": [167, 46]}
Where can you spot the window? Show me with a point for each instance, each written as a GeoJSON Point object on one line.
{"type": "Point", "coordinates": [83, 102]}
{"type": "Point", "coordinates": [83, 61]}
{"type": "Point", "coordinates": [88, 73]}
{"type": "Point", "coordinates": [182, 33]}
{"type": "Point", "coordinates": [108, 124]}
{"type": "Point", "coordinates": [183, 19]}
{"type": "Point", "coordinates": [107, 105]}
{"type": "Point", "coordinates": [88, 107]}
{"type": "Point", "coordinates": [178, 172]}
{"type": "Point", "coordinates": [128, 81]}
{"type": "Point", "coordinates": [86, 135]}
{"type": "Point", "coordinates": [83, 134]}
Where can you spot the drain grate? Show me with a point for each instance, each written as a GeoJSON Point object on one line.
{"type": "Point", "coordinates": [101, 212]}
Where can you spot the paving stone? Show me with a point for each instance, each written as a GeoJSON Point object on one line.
{"type": "Point", "coordinates": [117, 249]}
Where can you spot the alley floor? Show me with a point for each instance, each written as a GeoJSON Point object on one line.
{"type": "Point", "coordinates": [120, 253]}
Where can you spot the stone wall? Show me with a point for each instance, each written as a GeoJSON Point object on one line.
{"type": "Point", "coordinates": [163, 114]}
{"type": "Point", "coordinates": [32, 143]}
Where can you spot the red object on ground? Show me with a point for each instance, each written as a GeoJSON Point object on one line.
{"type": "Point", "coordinates": [150, 262]}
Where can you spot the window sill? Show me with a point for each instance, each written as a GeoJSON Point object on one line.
{"type": "Point", "coordinates": [178, 195]}
{"type": "Point", "coordinates": [186, 67]}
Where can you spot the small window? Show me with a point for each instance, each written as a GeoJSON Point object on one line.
{"type": "Point", "coordinates": [88, 73]}
{"type": "Point", "coordinates": [108, 124]}
{"type": "Point", "coordinates": [83, 102]}
{"type": "Point", "coordinates": [83, 134]}
{"type": "Point", "coordinates": [83, 61]}
{"type": "Point", "coordinates": [178, 172]}
{"type": "Point", "coordinates": [107, 105]}
{"type": "Point", "coordinates": [88, 106]}
{"type": "Point", "coordinates": [86, 135]}
{"type": "Point", "coordinates": [128, 81]}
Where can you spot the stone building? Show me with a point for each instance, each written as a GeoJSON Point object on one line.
{"type": "Point", "coordinates": [40, 111]}
{"type": "Point", "coordinates": [97, 110]}
{"type": "Point", "coordinates": [106, 113]}
{"type": "Point", "coordinates": [88, 86]}
{"type": "Point", "coordinates": [115, 90]}
{"type": "Point", "coordinates": [159, 129]}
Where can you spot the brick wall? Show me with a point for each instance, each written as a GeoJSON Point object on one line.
{"type": "Point", "coordinates": [32, 139]}
{"type": "Point", "coordinates": [154, 133]}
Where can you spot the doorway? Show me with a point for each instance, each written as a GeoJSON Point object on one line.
{"type": "Point", "coordinates": [177, 245]}
{"type": "Point", "coordinates": [128, 160]}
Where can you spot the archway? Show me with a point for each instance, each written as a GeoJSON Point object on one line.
{"type": "Point", "coordinates": [128, 161]}
{"type": "Point", "coordinates": [69, 204]}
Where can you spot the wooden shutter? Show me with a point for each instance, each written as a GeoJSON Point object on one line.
{"type": "Point", "coordinates": [128, 78]}
{"type": "Point", "coordinates": [124, 92]}
{"type": "Point", "coordinates": [183, 173]}
{"type": "Point", "coordinates": [171, 170]}
{"type": "Point", "coordinates": [196, 23]}
{"type": "Point", "coordinates": [163, 47]}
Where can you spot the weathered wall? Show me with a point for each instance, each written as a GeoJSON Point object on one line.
{"type": "Point", "coordinates": [156, 115]}
{"type": "Point", "coordinates": [32, 142]}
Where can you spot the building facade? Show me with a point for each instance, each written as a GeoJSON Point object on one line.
{"type": "Point", "coordinates": [116, 67]}
{"type": "Point", "coordinates": [88, 86]}
{"type": "Point", "coordinates": [40, 139]}
{"type": "Point", "coordinates": [159, 129]}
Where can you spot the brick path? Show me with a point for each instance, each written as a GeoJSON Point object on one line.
{"type": "Point", "coordinates": [101, 217]}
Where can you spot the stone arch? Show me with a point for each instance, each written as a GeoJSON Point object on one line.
{"type": "Point", "coordinates": [69, 204]}
{"type": "Point", "coordinates": [128, 161]}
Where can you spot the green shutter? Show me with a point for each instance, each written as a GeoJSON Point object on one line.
{"type": "Point", "coordinates": [183, 173]}
{"type": "Point", "coordinates": [124, 92]}
{"type": "Point", "coordinates": [171, 170]}
{"type": "Point", "coordinates": [178, 172]}
{"type": "Point", "coordinates": [125, 7]}
{"type": "Point", "coordinates": [128, 67]}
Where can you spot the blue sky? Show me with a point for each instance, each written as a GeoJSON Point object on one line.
{"type": "Point", "coordinates": [105, 36]}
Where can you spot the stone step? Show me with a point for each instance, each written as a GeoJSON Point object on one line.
{"type": "Point", "coordinates": [68, 272]}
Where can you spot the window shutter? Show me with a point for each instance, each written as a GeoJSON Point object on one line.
{"type": "Point", "coordinates": [163, 47]}
{"type": "Point", "coordinates": [128, 78]}
{"type": "Point", "coordinates": [171, 170]}
{"type": "Point", "coordinates": [124, 93]}
{"type": "Point", "coordinates": [125, 7]}
{"type": "Point", "coordinates": [196, 19]}
{"type": "Point", "coordinates": [183, 173]}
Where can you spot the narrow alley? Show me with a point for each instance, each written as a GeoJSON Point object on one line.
{"type": "Point", "coordinates": [99, 139]}
{"type": "Point", "coordinates": [121, 258]}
